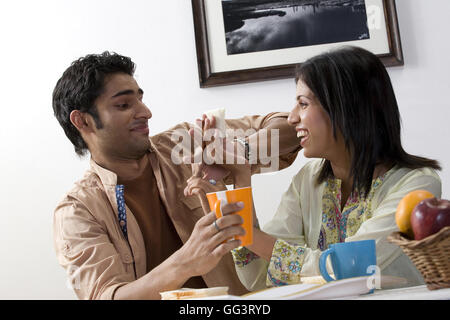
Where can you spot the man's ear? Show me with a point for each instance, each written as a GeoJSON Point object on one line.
{"type": "Point", "coordinates": [79, 120]}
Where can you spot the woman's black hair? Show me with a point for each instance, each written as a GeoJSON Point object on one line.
{"type": "Point", "coordinates": [354, 88]}
{"type": "Point", "coordinates": [80, 85]}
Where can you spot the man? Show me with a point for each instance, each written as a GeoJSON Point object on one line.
{"type": "Point", "coordinates": [126, 230]}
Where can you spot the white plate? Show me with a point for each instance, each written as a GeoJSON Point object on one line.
{"type": "Point", "coordinates": [306, 291]}
{"type": "Point", "coordinates": [335, 289]}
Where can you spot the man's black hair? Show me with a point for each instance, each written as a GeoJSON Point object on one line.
{"type": "Point", "coordinates": [80, 85]}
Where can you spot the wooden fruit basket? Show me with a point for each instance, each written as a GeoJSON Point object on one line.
{"type": "Point", "coordinates": [431, 256]}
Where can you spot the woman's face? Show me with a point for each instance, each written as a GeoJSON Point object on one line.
{"type": "Point", "coordinates": [313, 124]}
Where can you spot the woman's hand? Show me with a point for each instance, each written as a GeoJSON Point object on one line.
{"type": "Point", "coordinates": [196, 185]}
{"type": "Point", "coordinates": [219, 156]}
{"type": "Point", "coordinates": [200, 187]}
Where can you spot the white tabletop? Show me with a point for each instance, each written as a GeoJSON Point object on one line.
{"type": "Point", "coordinates": [409, 293]}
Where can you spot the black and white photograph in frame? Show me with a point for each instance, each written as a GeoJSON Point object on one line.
{"type": "Point", "coordinates": [260, 25]}
{"type": "Point", "coordinates": [241, 41]}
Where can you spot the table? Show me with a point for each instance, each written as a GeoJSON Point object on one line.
{"type": "Point", "coordinates": [408, 293]}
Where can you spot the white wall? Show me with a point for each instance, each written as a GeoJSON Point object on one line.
{"type": "Point", "coordinates": [39, 39]}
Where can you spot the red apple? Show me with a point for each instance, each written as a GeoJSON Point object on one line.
{"type": "Point", "coordinates": [430, 216]}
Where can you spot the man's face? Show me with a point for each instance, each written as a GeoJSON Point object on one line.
{"type": "Point", "coordinates": [124, 118]}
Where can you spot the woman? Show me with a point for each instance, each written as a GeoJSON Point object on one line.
{"type": "Point", "coordinates": [347, 116]}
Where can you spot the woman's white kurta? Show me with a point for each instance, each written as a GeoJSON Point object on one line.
{"type": "Point", "coordinates": [298, 221]}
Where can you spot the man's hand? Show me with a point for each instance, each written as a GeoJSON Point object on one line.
{"type": "Point", "coordinates": [199, 255]}
{"type": "Point", "coordinates": [207, 243]}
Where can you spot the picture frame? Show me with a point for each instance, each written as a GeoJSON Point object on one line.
{"type": "Point", "coordinates": [217, 68]}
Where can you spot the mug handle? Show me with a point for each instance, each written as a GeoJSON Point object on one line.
{"type": "Point", "coordinates": [323, 264]}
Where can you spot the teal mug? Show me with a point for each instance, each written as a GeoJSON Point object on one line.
{"type": "Point", "coordinates": [349, 259]}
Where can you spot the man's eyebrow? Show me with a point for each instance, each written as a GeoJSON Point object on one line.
{"type": "Point", "coordinates": [127, 92]}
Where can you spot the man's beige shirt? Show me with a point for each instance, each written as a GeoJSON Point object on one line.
{"type": "Point", "coordinates": [88, 239]}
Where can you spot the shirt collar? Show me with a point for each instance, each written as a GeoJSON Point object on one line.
{"type": "Point", "coordinates": [108, 177]}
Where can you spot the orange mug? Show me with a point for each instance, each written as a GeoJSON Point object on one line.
{"type": "Point", "coordinates": [220, 198]}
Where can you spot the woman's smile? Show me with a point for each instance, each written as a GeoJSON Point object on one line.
{"type": "Point", "coordinates": [304, 134]}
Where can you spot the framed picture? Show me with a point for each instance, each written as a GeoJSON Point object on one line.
{"type": "Point", "coordinates": [241, 41]}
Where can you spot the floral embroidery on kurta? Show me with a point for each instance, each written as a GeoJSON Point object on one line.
{"type": "Point", "coordinates": [242, 256]}
{"type": "Point", "coordinates": [339, 224]}
{"type": "Point", "coordinates": [285, 264]}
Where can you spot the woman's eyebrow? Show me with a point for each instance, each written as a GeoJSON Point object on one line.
{"type": "Point", "coordinates": [304, 96]}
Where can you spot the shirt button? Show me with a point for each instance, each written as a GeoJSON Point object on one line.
{"type": "Point", "coordinates": [66, 247]}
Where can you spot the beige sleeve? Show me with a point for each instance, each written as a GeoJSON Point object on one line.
{"type": "Point", "coordinates": [276, 146]}
{"type": "Point", "coordinates": [94, 267]}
